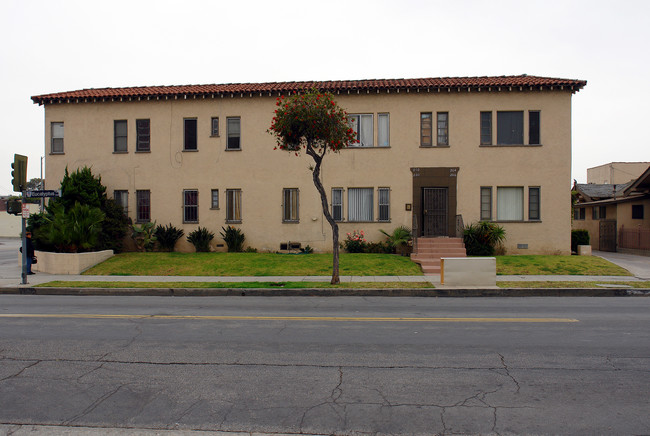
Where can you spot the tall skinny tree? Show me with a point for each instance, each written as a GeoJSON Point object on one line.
{"type": "Point", "coordinates": [313, 122]}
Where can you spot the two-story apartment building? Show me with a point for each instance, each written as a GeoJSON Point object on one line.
{"type": "Point", "coordinates": [432, 153]}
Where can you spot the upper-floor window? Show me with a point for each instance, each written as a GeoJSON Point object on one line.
{"type": "Point", "coordinates": [383, 130]}
{"type": "Point", "coordinates": [510, 128]}
{"type": "Point", "coordinates": [426, 127]}
{"type": "Point", "coordinates": [214, 126]}
{"type": "Point", "coordinates": [579, 213]}
{"type": "Point", "coordinates": [599, 213]}
{"type": "Point", "coordinates": [443, 128]}
{"type": "Point", "coordinates": [533, 127]}
{"type": "Point", "coordinates": [189, 134]}
{"type": "Point", "coordinates": [362, 124]}
{"type": "Point", "coordinates": [121, 198]}
{"type": "Point", "coordinates": [57, 138]}
{"type": "Point", "coordinates": [290, 205]}
{"type": "Point", "coordinates": [190, 206]}
{"type": "Point", "coordinates": [143, 135]}
{"type": "Point", "coordinates": [486, 128]}
{"type": "Point", "coordinates": [120, 136]}
{"type": "Point", "coordinates": [637, 211]}
{"type": "Point", "coordinates": [143, 203]}
{"type": "Point", "coordinates": [233, 127]}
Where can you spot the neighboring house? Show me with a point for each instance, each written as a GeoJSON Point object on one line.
{"type": "Point", "coordinates": [616, 172]}
{"type": "Point", "coordinates": [616, 216]}
{"type": "Point", "coordinates": [433, 154]}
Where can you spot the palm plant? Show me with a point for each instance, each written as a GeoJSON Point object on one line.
{"type": "Point", "coordinates": [167, 236]}
{"type": "Point", "coordinates": [482, 238]}
{"type": "Point", "coordinates": [144, 236]}
{"type": "Point", "coordinates": [76, 230]}
{"type": "Point", "coordinates": [201, 239]}
{"type": "Point", "coordinates": [399, 239]}
{"type": "Point", "coordinates": [234, 239]}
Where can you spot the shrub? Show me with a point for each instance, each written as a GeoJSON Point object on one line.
{"type": "Point", "coordinates": [114, 227]}
{"type": "Point", "coordinates": [307, 250]}
{"type": "Point", "coordinates": [355, 242]}
{"type": "Point", "coordinates": [481, 238]}
{"type": "Point", "coordinates": [378, 247]}
{"type": "Point", "coordinates": [579, 237]}
{"type": "Point", "coordinates": [144, 236]}
{"type": "Point", "coordinates": [167, 236]}
{"type": "Point", "coordinates": [201, 239]}
{"type": "Point", "coordinates": [398, 240]}
{"type": "Point", "coordinates": [234, 239]}
{"type": "Point", "coordinates": [74, 230]}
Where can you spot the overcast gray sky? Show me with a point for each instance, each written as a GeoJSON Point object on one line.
{"type": "Point", "coordinates": [52, 46]}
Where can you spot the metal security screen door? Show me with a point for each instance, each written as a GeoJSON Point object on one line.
{"type": "Point", "coordinates": [435, 206]}
{"type": "Point", "coordinates": [607, 235]}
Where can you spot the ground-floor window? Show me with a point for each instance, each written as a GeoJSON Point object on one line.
{"type": "Point", "coordinates": [233, 205]}
{"type": "Point", "coordinates": [190, 206]}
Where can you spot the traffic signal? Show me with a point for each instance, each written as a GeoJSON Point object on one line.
{"type": "Point", "coordinates": [19, 172]}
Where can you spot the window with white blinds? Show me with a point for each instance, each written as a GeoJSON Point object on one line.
{"type": "Point", "coordinates": [510, 203]}
{"type": "Point", "coordinates": [360, 201]}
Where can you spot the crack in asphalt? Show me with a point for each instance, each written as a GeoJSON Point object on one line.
{"type": "Point", "coordinates": [22, 370]}
{"type": "Point", "coordinates": [93, 406]}
{"type": "Point", "coordinates": [503, 362]}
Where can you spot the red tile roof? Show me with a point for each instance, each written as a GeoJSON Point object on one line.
{"type": "Point", "coordinates": [497, 83]}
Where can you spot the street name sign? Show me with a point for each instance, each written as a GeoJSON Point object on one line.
{"type": "Point", "coordinates": [40, 194]}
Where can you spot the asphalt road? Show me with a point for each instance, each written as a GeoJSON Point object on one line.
{"type": "Point", "coordinates": [328, 365]}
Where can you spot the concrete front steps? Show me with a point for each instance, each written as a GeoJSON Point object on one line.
{"type": "Point", "coordinates": [430, 250]}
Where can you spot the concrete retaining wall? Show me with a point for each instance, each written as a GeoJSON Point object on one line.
{"type": "Point", "coordinates": [69, 263]}
{"type": "Point", "coordinates": [468, 271]}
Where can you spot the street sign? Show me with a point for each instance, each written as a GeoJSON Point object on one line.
{"type": "Point", "coordinates": [39, 194]}
{"type": "Point", "coordinates": [25, 210]}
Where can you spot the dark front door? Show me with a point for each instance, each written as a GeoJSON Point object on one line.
{"type": "Point", "coordinates": [607, 236]}
{"type": "Point", "coordinates": [435, 206]}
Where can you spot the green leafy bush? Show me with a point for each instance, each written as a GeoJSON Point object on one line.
{"type": "Point", "coordinates": [74, 230]}
{"type": "Point", "coordinates": [579, 237]}
{"type": "Point", "coordinates": [482, 238]}
{"type": "Point", "coordinates": [167, 236]}
{"type": "Point", "coordinates": [144, 236]}
{"type": "Point", "coordinates": [234, 239]}
{"type": "Point", "coordinates": [201, 239]}
{"type": "Point", "coordinates": [398, 240]}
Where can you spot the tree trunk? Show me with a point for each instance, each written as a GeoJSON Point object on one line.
{"type": "Point", "coordinates": [328, 216]}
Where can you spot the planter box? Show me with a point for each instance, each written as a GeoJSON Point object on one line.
{"type": "Point", "coordinates": [68, 263]}
{"type": "Point", "coordinates": [584, 250]}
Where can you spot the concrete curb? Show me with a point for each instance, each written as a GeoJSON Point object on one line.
{"type": "Point", "coordinates": [325, 292]}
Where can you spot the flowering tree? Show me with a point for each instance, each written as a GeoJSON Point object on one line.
{"type": "Point", "coordinates": [313, 122]}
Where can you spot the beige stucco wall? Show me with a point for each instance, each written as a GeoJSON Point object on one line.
{"type": "Point", "coordinates": [261, 173]}
{"type": "Point", "coordinates": [616, 172]}
{"type": "Point", "coordinates": [11, 225]}
{"type": "Point", "coordinates": [68, 263]}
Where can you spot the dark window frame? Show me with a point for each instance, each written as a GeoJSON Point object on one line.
{"type": "Point", "coordinates": [510, 127]}
{"type": "Point", "coordinates": [143, 205]}
{"type": "Point", "coordinates": [426, 129]}
{"type": "Point", "coordinates": [214, 126]}
{"type": "Point", "coordinates": [55, 144]}
{"type": "Point", "coordinates": [190, 134]}
{"type": "Point", "coordinates": [234, 205]}
{"type": "Point", "coordinates": [233, 139]}
{"type": "Point", "coordinates": [289, 215]}
{"type": "Point", "coordinates": [143, 135]}
{"type": "Point", "coordinates": [637, 211]}
{"type": "Point", "coordinates": [120, 139]}
{"type": "Point", "coordinates": [385, 216]}
{"type": "Point", "coordinates": [442, 129]}
{"type": "Point", "coordinates": [486, 203]}
{"type": "Point", "coordinates": [534, 203]}
{"type": "Point", "coordinates": [190, 206]}
{"type": "Point", "coordinates": [534, 127]}
{"type": "Point", "coordinates": [486, 127]}
{"type": "Point", "coordinates": [214, 204]}
{"type": "Point", "coordinates": [337, 208]}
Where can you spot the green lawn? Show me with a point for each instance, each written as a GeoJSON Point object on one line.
{"type": "Point", "coordinates": [638, 285]}
{"type": "Point", "coordinates": [253, 264]}
{"type": "Point", "coordinates": [558, 265]}
{"type": "Point", "coordinates": [269, 264]}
